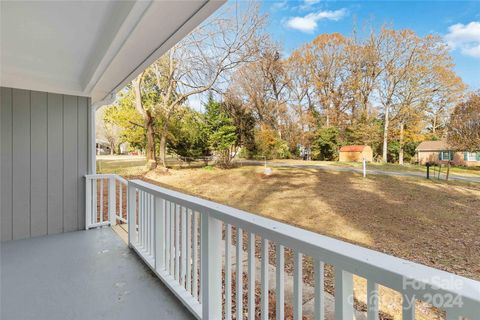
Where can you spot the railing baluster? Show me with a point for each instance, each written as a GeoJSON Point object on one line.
{"type": "Point", "coordinates": [132, 207]}
{"type": "Point", "coordinates": [280, 282]}
{"type": "Point", "coordinates": [343, 295]}
{"type": "Point", "coordinates": [183, 254]}
{"type": "Point", "coordinates": [195, 254]}
{"type": "Point", "coordinates": [140, 223]}
{"type": "Point", "coordinates": [228, 272]}
{"type": "Point", "coordinates": [211, 234]}
{"type": "Point", "coordinates": [251, 276]}
{"type": "Point", "coordinates": [147, 222]}
{"type": "Point", "coordinates": [140, 219]}
{"type": "Point", "coordinates": [177, 242]}
{"type": "Point", "coordinates": [152, 225]}
{"type": "Point", "coordinates": [372, 300]}
{"type": "Point", "coordinates": [94, 201]}
{"type": "Point", "coordinates": [144, 231]}
{"type": "Point", "coordinates": [319, 270]}
{"type": "Point", "coordinates": [188, 281]}
{"type": "Point", "coordinates": [202, 239]}
{"type": "Point", "coordinates": [167, 235]}
{"type": "Point", "coordinates": [172, 238]}
{"type": "Point", "coordinates": [120, 208]}
{"type": "Point", "coordinates": [112, 206]}
{"type": "Point", "coordinates": [297, 286]}
{"type": "Point", "coordinates": [88, 202]}
{"type": "Point", "coordinates": [101, 200]}
{"type": "Point", "coordinates": [264, 287]}
{"type": "Point", "coordinates": [239, 280]}
{"type": "Point", "coordinates": [159, 233]}
{"type": "Point", "coordinates": [408, 308]}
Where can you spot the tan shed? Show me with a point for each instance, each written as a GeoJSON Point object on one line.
{"type": "Point", "coordinates": [355, 154]}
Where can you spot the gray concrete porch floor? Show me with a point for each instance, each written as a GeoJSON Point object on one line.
{"type": "Point", "coordinates": [81, 275]}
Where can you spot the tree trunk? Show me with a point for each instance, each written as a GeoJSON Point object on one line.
{"type": "Point", "coordinates": [148, 122]}
{"type": "Point", "coordinates": [400, 152]}
{"type": "Point", "coordinates": [150, 147]}
{"type": "Point", "coordinates": [385, 136]}
{"type": "Point", "coordinates": [163, 143]}
{"type": "Point", "coordinates": [112, 146]}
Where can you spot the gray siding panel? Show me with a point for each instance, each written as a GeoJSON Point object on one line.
{"type": "Point", "coordinates": [38, 211]}
{"type": "Point", "coordinates": [55, 163]}
{"type": "Point", "coordinates": [21, 164]}
{"type": "Point", "coordinates": [82, 147]}
{"type": "Point", "coordinates": [6, 163]}
{"type": "Point", "coordinates": [70, 184]}
{"type": "Point", "coordinates": [44, 158]}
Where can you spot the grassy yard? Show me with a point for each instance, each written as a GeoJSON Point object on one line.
{"type": "Point", "coordinates": [435, 223]}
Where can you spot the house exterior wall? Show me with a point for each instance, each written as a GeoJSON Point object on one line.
{"type": "Point", "coordinates": [44, 156]}
{"type": "Point", "coordinates": [432, 156]}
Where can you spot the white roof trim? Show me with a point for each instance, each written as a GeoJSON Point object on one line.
{"type": "Point", "coordinates": [186, 27]}
{"type": "Point", "coordinates": [103, 58]}
{"type": "Point", "coordinates": [123, 33]}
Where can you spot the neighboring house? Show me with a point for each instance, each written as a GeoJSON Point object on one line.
{"type": "Point", "coordinates": [440, 152]}
{"type": "Point", "coordinates": [102, 147]}
{"type": "Point", "coordinates": [355, 154]}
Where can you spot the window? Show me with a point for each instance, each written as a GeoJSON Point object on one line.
{"type": "Point", "coordinates": [445, 155]}
{"type": "Point", "coordinates": [471, 156]}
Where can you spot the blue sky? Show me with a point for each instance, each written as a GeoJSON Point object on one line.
{"type": "Point", "coordinates": [296, 22]}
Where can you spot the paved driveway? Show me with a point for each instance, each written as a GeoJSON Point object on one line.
{"type": "Point", "coordinates": [453, 176]}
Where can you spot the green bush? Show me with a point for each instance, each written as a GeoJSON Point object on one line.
{"type": "Point", "coordinates": [325, 144]}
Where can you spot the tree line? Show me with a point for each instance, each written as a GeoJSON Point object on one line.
{"type": "Point", "coordinates": [386, 88]}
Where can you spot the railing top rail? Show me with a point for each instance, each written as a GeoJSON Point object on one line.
{"type": "Point", "coordinates": [382, 268]}
{"type": "Point", "coordinates": [121, 179]}
{"type": "Point", "coordinates": [107, 175]}
{"type": "Point", "coordinates": [100, 175]}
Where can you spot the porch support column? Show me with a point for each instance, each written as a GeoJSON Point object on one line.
{"type": "Point", "coordinates": [92, 149]}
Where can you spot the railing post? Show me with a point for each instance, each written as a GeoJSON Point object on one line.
{"type": "Point", "coordinates": [211, 270]}
{"type": "Point", "coordinates": [343, 295]}
{"type": "Point", "coordinates": [131, 205]}
{"type": "Point", "coordinates": [88, 202]}
{"type": "Point", "coordinates": [159, 235]}
{"type": "Point", "coordinates": [112, 197]}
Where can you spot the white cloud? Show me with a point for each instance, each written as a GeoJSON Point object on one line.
{"type": "Point", "coordinates": [311, 1]}
{"type": "Point", "coordinates": [309, 22]}
{"type": "Point", "coordinates": [465, 38]}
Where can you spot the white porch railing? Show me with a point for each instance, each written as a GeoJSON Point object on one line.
{"type": "Point", "coordinates": [106, 200]}
{"type": "Point", "coordinates": [180, 237]}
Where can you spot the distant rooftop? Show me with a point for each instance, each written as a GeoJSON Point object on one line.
{"type": "Point", "coordinates": [433, 146]}
{"type": "Point", "coordinates": [354, 148]}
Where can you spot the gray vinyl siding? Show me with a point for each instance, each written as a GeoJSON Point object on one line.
{"type": "Point", "coordinates": [44, 156]}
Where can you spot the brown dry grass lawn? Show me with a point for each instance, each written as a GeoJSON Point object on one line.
{"type": "Point", "coordinates": [429, 222]}
{"type": "Point", "coordinates": [434, 223]}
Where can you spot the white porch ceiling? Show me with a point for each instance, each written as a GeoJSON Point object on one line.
{"type": "Point", "coordinates": [89, 48]}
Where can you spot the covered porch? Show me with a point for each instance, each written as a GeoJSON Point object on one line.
{"type": "Point", "coordinates": [184, 256]}
{"type": "Point", "coordinates": [81, 275]}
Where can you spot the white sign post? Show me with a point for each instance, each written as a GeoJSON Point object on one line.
{"type": "Point", "coordinates": [364, 168]}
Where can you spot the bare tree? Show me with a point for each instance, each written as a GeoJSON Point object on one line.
{"type": "Point", "coordinates": [327, 59]}
{"type": "Point", "coordinates": [201, 62]}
